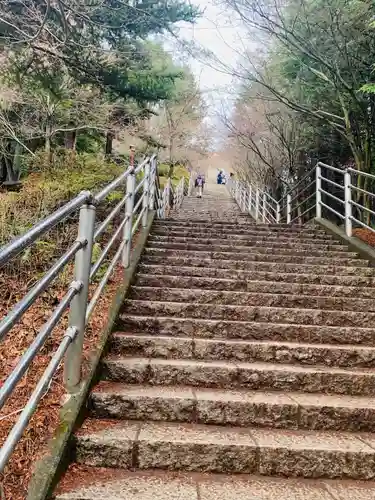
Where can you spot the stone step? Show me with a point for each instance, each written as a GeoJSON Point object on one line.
{"type": "Point", "coordinates": [219, 224]}
{"type": "Point", "coordinates": [206, 448]}
{"type": "Point", "coordinates": [221, 349]}
{"type": "Point", "coordinates": [248, 313]}
{"type": "Point", "coordinates": [207, 240]}
{"type": "Point", "coordinates": [241, 228]}
{"type": "Point", "coordinates": [199, 296]}
{"type": "Point", "coordinates": [237, 375]}
{"type": "Point", "coordinates": [205, 328]}
{"type": "Point", "coordinates": [263, 287]}
{"type": "Point", "coordinates": [229, 246]}
{"type": "Point", "coordinates": [265, 265]}
{"type": "Point", "coordinates": [243, 235]}
{"type": "Point", "coordinates": [162, 253]}
{"type": "Point", "coordinates": [274, 250]}
{"type": "Point", "coordinates": [278, 410]}
{"type": "Point", "coordinates": [118, 484]}
{"type": "Point", "coordinates": [241, 274]}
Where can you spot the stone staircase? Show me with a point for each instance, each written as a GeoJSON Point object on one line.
{"type": "Point", "coordinates": [242, 367]}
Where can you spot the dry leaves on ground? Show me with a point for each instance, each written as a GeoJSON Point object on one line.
{"type": "Point", "coordinates": [365, 235]}
{"type": "Point", "coordinates": [32, 445]}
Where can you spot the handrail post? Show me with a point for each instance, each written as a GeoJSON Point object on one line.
{"type": "Point", "coordinates": [153, 171]}
{"type": "Point", "coordinates": [318, 173]}
{"type": "Point", "coordinates": [257, 205]}
{"type": "Point", "coordinates": [190, 187]}
{"type": "Point", "coordinates": [278, 214]}
{"type": "Point", "coordinates": [77, 315]}
{"type": "Point", "coordinates": [249, 201]}
{"type": "Point", "coordinates": [264, 207]}
{"type": "Point", "coordinates": [348, 203]}
{"type": "Point", "coordinates": [127, 235]}
{"type": "Point", "coordinates": [146, 191]}
{"type": "Point", "coordinates": [288, 208]}
{"type": "Point", "coordinates": [236, 191]}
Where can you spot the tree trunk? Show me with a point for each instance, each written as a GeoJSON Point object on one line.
{"type": "Point", "coordinates": [47, 142]}
{"type": "Point", "coordinates": [17, 160]}
{"type": "Point", "coordinates": [109, 143]}
{"type": "Point", "coordinates": [70, 140]}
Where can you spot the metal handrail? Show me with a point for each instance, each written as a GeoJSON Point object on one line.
{"type": "Point", "coordinates": [256, 201]}
{"type": "Point", "coordinates": [359, 172]}
{"type": "Point", "coordinates": [76, 297]}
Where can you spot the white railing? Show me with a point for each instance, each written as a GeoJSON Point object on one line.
{"type": "Point", "coordinates": [345, 195]}
{"type": "Point", "coordinates": [142, 194]}
{"type": "Point", "coordinates": [261, 205]}
{"type": "Point", "coordinates": [178, 194]}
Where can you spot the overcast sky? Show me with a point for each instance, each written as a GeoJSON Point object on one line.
{"type": "Point", "coordinates": [216, 33]}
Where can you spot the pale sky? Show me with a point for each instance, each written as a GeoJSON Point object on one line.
{"type": "Point", "coordinates": [216, 33]}
{"type": "Point", "coordinates": [220, 33]}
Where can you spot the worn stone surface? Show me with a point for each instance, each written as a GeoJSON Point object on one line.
{"type": "Point", "coordinates": [111, 447]}
{"type": "Point", "coordinates": [142, 402]}
{"type": "Point", "coordinates": [263, 287]}
{"type": "Point", "coordinates": [241, 348]}
{"type": "Point", "coordinates": [242, 274]}
{"type": "Point", "coordinates": [192, 447]}
{"type": "Point", "coordinates": [248, 313]}
{"type": "Point", "coordinates": [196, 448]}
{"type": "Point", "coordinates": [343, 260]}
{"type": "Point", "coordinates": [254, 376]}
{"type": "Point", "coordinates": [263, 266]}
{"type": "Point", "coordinates": [125, 485]}
{"type": "Point", "coordinates": [244, 408]}
{"type": "Point", "coordinates": [293, 453]}
{"type": "Point", "coordinates": [232, 246]}
{"type": "Point", "coordinates": [249, 299]}
{"type": "Point", "coordinates": [247, 330]}
{"type": "Point", "coordinates": [216, 349]}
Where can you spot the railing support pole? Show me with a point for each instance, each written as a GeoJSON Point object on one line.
{"type": "Point", "coordinates": [190, 187]}
{"type": "Point", "coordinates": [257, 205]}
{"type": "Point", "coordinates": [77, 316]}
{"type": "Point", "coordinates": [151, 200]}
{"type": "Point", "coordinates": [146, 190]}
{"type": "Point", "coordinates": [348, 203]}
{"type": "Point", "coordinates": [249, 201]}
{"type": "Point", "coordinates": [127, 235]}
{"type": "Point", "coordinates": [318, 173]}
{"type": "Point", "coordinates": [288, 208]}
{"type": "Point", "coordinates": [278, 214]}
{"type": "Point", "coordinates": [264, 207]}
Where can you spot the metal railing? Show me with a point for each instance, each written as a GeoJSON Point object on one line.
{"type": "Point", "coordinates": [142, 194]}
{"type": "Point", "coordinates": [257, 202]}
{"type": "Point", "coordinates": [346, 196]}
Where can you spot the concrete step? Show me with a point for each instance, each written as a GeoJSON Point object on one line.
{"type": "Point", "coordinates": [205, 328]}
{"type": "Point", "coordinates": [206, 448]}
{"type": "Point", "coordinates": [326, 292]}
{"type": "Point", "coordinates": [116, 484]}
{"type": "Point", "coordinates": [342, 260]}
{"type": "Point", "coordinates": [241, 235]}
{"type": "Point", "coordinates": [248, 313]}
{"type": "Point", "coordinates": [223, 227]}
{"type": "Point", "coordinates": [278, 410]}
{"type": "Point", "coordinates": [237, 375]}
{"type": "Point", "coordinates": [312, 252]}
{"type": "Point", "coordinates": [265, 265]}
{"type": "Point", "coordinates": [219, 224]}
{"type": "Point", "coordinates": [244, 241]}
{"type": "Point", "coordinates": [256, 275]}
{"type": "Point", "coordinates": [221, 349]}
{"type": "Point", "coordinates": [197, 295]}
{"type": "Point", "coordinates": [220, 246]}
